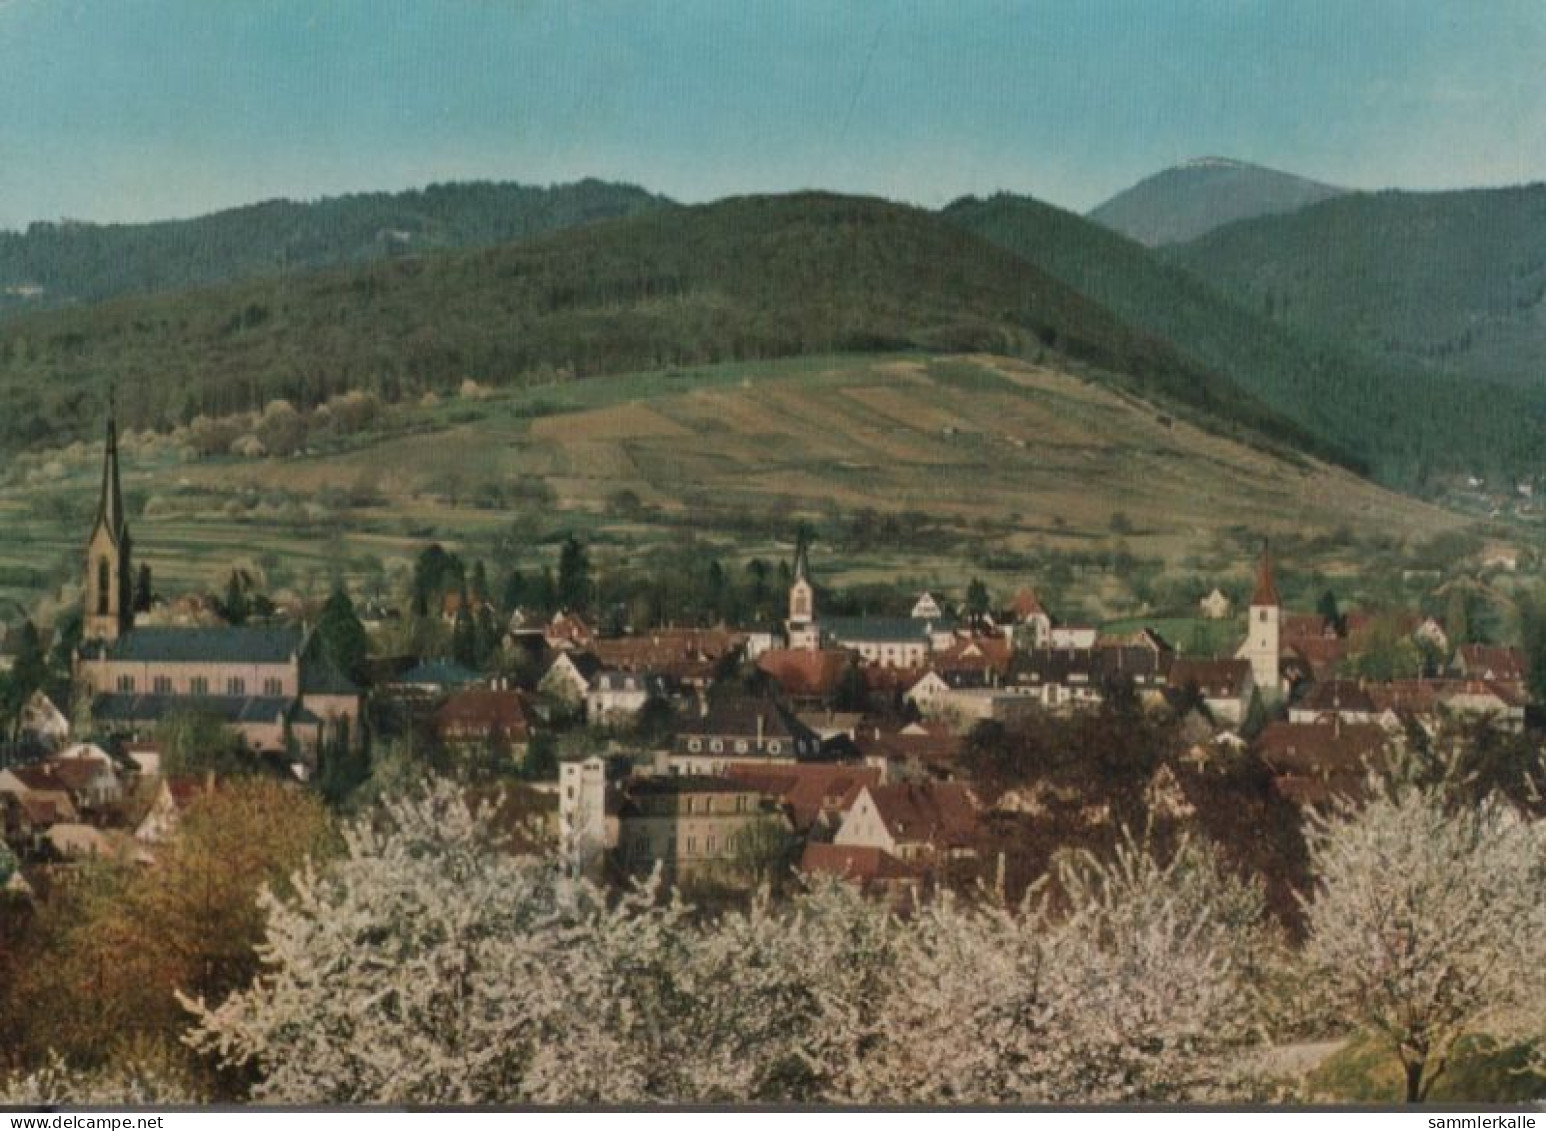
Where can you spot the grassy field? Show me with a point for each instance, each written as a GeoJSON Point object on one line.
{"type": "Point", "coordinates": [1000, 460]}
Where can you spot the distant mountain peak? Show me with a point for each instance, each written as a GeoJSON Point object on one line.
{"type": "Point", "coordinates": [1216, 163]}
{"type": "Point", "coordinates": [1191, 199]}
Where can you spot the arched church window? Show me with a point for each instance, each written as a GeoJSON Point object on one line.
{"type": "Point", "coordinates": [104, 582]}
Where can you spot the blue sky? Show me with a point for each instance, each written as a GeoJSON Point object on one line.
{"type": "Point", "coordinates": [137, 109]}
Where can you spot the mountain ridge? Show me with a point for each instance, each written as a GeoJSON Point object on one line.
{"type": "Point", "coordinates": [1188, 200]}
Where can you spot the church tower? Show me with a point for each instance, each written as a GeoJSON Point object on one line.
{"type": "Point", "coordinates": [803, 632]}
{"type": "Point", "coordinates": [1264, 629]}
{"type": "Point", "coordinates": [109, 610]}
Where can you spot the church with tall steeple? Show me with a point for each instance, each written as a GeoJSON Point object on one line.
{"type": "Point", "coordinates": [109, 589]}
{"type": "Point", "coordinates": [1263, 630]}
{"type": "Point", "coordinates": [804, 633]}
{"type": "Point", "coordinates": [269, 682]}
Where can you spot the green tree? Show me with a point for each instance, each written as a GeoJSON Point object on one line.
{"type": "Point", "coordinates": [237, 606]}
{"type": "Point", "coordinates": [1331, 613]}
{"type": "Point", "coordinates": [342, 634]}
{"type": "Point", "coordinates": [196, 742]}
{"type": "Point", "coordinates": [144, 594]}
{"type": "Point", "coordinates": [1532, 631]}
{"type": "Point", "coordinates": [978, 602]}
{"type": "Point", "coordinates": [573, 575]}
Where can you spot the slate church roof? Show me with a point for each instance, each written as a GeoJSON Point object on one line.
{"type": "Point", "coordinates": [223, 644]}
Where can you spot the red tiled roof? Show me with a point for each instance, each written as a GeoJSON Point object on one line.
{"type": "Point", "coordinates": [1216, 679]}
{"type": "Point", "coordinates": [808, 790]}
{"type": "Point", "coordinates": [938, 813]}
{"type": "Point", "coordinates": [1339, 695]}
{"type": "Point", "coordinates": [936, 746]}
{"type": "Point", "coordinates": [1028, 605]}
{"type": "Point", "coordinates": [1266, 592]}
{"type": "Point", "coordinates": [804, 671]}
{"type": "Point", "coordinates": [1320, 748]}
{"type": "Point", "coordinates": [483, 711]}
{"type": "Point", "coordinates": [1493, 662]}
{"type": "Point", "coordinates": [979, 653]}
{"type": "Point", "coordinates": [654, 651]}
{"type": "Point", "coordinates": [855, 862]}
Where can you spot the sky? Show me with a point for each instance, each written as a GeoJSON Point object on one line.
{"type": "Point", "coordinates": [127, 110]}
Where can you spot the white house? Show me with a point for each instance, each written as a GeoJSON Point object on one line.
{"type": "Point", "coordinates": [616, 697]}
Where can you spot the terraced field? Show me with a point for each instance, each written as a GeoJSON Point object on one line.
{"type": "Point", "coordinates": [1037, 457]}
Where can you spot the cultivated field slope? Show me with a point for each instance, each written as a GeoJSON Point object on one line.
{"type": "Point", "coordinates": [997, 454]}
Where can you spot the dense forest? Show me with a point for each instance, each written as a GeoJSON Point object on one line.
{"type": "Point", "coordinates": [756, 277]}
{"type": "Point", "coordinates": [1439, 280]}
{"type": "Point", "coordinates": [1407, 423]}
{"type": "Point", "coordinates": [68, 263]}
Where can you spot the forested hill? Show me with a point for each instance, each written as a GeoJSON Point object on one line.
{"type": "Point", "coordinates": [1184, 202]}
{"type": "Point", "coordinates": [52, 265]}
{"type": "Point", "coordinates": [1441, 280]}
{"type": "Point", "coordinates": [1407, 423]}
{"type": "Point", "coordinates": [755, 277]}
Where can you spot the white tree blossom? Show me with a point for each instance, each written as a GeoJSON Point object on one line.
{"type": "Point", "coordinates": [1133, 988]}
{"type": "Point", "coordinates": [56, 1084]}
{"type": "Point", "coordinates": [429, 966]}
{"type": "Point", "coordinates": [1427, 922]}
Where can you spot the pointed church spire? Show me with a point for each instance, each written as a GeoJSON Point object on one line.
{"type": "Point", "coordinates": [107, 593]}
{"type": "Point", "coordinates": [802, 564]}
{"type": "Point", "coordinates": [110, 511]}
{"type": "Point", "coordinates": [1266, 584]}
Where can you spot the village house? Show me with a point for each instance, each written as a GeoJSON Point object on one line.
{"type": "Point", "coordinates": [42, 723]}
{"type": "Point", "coordinates": [569, 676]}
{"type": "Point", "coordinates": [918, 751]}
{"type": "Point", "coordinates": [737, 730]}
{"type": "Point", "coordinates": [1345, 699]}
{"type": "Point", "coordinates": [615, 698]}
{"type": "Point", "coordinates": [1032, 623]}
{"type": "Point", "coordinates": [686, 656]}
{"type": "Point", "coordinates": [173, 797]}
{"type": "Point", "coordinates": [484, 718]}
{"type": "Point", "coordinates": [814, 796]}
{"type": "Point", "coordinates": [931, 822]}
{"type": "Point", "coordinates": [1316, 763]}
{"type": "Point", "coordinates": [1216, 606]}
{"type": "Point", "coordinates": [1226, 686]}
{"type": "Point", "coordinates": [1491, 662]}
{"type": "Point", "coordinates": [691, 827]}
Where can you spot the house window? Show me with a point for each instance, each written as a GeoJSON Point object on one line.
{"type": "Point", "coordinates": [741, 746]}
{"type": "Point", "coordinates": [126, 683]}
{"type": "Point", "coordinates": [708, 846]}
{"type": "Point", "coordinates": [273, 687]}
{"type": "Point", "coordinates": [236, 686]}
{"type": "Point", "coordinates": [694, 744]}
{"type": "Point", "coordinates": [715, 745]}
{"type": "Point", "coordinates": [162, 685]}
{"type": "Point", "coordinates": [198, 685]}
{"type": "Point", "coordinates": [1262, 616]}
{"type": "Point", "coordinates": [740, 804]}
{"type": "Point", "coordinates": [775, 747]}
{"type": "Point", "coordinates": [692, 845]}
